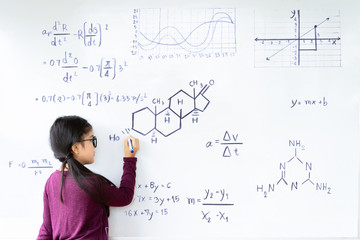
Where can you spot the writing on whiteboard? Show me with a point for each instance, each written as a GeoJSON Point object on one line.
{"type": "Point", "coordinates": [184, 33]}
{"type": "Point", "coordinates": [230, 143]}
{"type": "Point", "coordinates": [106, 68]}
{"type": "Point", "coordinates": [38, 166]}
{"type": "Point", "coordinates": [169, 120]}
{"type": "Point", "coordinates": [90, 34]}
{"type": "Point", "coordinates": [301, 174]}
{"type": "Point", "coordinates": [91, 99]}
{"type": "Point", "coordinates": [154, 199]}
{"type": "Point", "coordinates": [309, 102]}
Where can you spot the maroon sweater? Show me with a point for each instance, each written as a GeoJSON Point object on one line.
{"type": "Point", "coordinates": [80, 216]}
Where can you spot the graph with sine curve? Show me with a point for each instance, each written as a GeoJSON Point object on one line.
{"type": "Point", "coordinates": [186, 31]}
{"type": "Point", "coordinates": [297, 38]}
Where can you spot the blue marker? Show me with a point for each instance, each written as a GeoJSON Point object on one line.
{"type": "Point", "coordinates": [130, 145]}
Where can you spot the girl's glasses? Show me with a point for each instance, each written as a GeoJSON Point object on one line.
{"type": "Point", "coordinates": [94, 141]}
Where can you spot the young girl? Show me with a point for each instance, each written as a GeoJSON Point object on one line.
{"type": "Point", "coordinates": [77, 200]}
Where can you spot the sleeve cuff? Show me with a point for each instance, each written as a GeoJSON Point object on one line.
{"type": "Point", "coordinates": [130, 159]}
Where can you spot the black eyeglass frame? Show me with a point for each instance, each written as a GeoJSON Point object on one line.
{"type": "Point", "coordinates": [93, 139]}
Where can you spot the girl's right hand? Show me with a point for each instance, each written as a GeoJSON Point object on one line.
{"type": "Point", "coordinates": [135, 144]}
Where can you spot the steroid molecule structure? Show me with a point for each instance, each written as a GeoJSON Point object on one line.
{"type": "Point", "coordinates": [168, 120]}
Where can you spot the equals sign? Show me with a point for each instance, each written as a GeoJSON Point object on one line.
{"type": "Point", "coordinates": [195, 113]}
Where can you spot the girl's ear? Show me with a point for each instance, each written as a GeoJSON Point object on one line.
{"type": "Point", "coordinates": [75, 148]}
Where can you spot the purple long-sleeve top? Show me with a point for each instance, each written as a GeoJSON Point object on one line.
{"type": "Point", "coordinates": [80, 216]}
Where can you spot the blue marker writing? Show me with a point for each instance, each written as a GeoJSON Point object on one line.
{"type": "Point", "coordinates": [130, 145]}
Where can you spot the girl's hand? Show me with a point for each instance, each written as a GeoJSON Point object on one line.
{"type": "Point", "coordinates": [135, 145]}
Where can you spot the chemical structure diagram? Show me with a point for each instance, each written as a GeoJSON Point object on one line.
{"type": "Point", "coordinates": [293, 184]}
{"type": "Point", "coordinates": [169, 120]}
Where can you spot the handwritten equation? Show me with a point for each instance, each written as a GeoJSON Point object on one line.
{"type": "Point", "coordinates": [230, 143]}
{"type": "Point", "coordinates": [106, 68]}
{"type": "Point", "coordinates": [89, 33]}
{"type": "Point", "coordinates": [91, 99]}
{"type": "Point", "coordinates": [214, 205]}
{"type": "Point", "coordinates": [322, 102]}
{"type": "Point", "coordinates": [159, 200]}
{"type": "Point", "coordinates": [156, 197]}
{"type": "Point", "coordinates": [37, 165]}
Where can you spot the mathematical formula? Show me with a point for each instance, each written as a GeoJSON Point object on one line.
{"type": "Point", "coordinates": [309, 103]}
{"type": "Point", "coordinates": [215, 205]}
{"type": "Point", "coordinates": [91, 99]}
{"type": "Point", "coordinates": [105, 68]}
{"type": "Point", "coordinates": [230, 143]}
{"type": "Point", "coordinates": [161, 199]}
{"type": "Point", "coordinates": [38, 166]}
{"type": "Point", "coordinates": [90, 34]}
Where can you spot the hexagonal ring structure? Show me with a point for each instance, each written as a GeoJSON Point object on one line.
{"type": "Point", "coordinates": [143, 121]}
{"type": "Point", "coordinates": [167, 122]}
{"type": "Point", "coordinates": [182, 104]}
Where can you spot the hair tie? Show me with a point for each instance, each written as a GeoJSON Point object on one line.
{"type": "Point", "coordinates": [66, 158]}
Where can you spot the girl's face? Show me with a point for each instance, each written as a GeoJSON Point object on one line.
{"type": "Point", "coordinates": [84, 151]}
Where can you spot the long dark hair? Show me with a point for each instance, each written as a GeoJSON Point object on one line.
{"type": "Point", "coordinates": [64, 133]}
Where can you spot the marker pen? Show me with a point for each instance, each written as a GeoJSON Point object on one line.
{"type": "Point", "coordinates": [130, 145]}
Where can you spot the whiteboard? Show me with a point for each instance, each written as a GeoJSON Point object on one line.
{"type": "Point", "coordinates": [247, 113]}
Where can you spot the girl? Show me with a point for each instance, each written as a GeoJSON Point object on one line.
{"type": "Point", "coordinates": [77, 200]}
